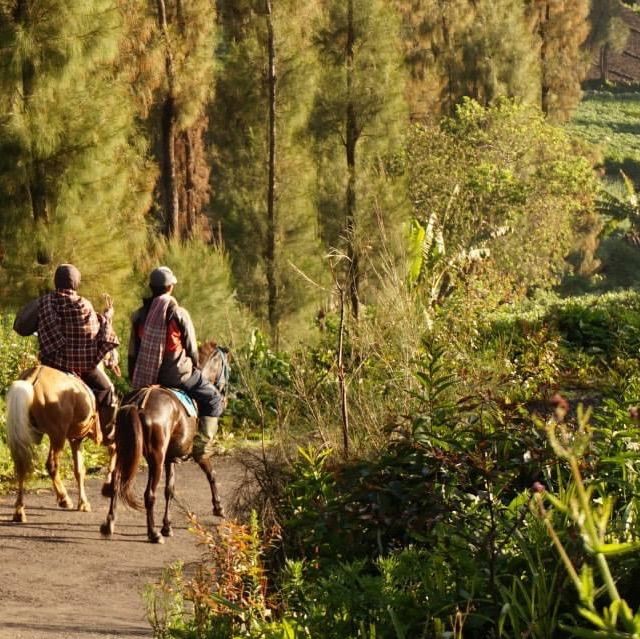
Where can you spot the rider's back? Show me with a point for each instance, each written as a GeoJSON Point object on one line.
{"type": "Point", "coordinates": [180, 351]}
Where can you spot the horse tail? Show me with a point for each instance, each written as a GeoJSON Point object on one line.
{"type": "Point", "coordinates": [21, 436]}
{"type": "Point", "coordinates": [129, 442]}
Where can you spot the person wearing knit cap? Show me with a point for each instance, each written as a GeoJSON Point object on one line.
{"type": "Point", "coordinates": [74, 338]}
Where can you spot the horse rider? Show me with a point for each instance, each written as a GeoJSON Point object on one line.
{"type": "Point", "coordinates": [74, 338]}
{"type": "Point", "coordinates": [163, 350]}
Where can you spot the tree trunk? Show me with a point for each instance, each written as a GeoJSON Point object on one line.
{"type": "Point", "coordinates": [604, 62]}
{"type": "Point", "coordinates": [168, 170]}
{"type": "Point", "coordinates": [344, 405]}
{"type": "Point", "coordinates": [168, 129]}
{"type": "Point", "coordinates": [272, 221]}
{"type": "Point", "coordinates": [545, 90]}
{"type": "Point", "coordinates": [36, 185]}
{"type": "Point", "coordinates": [450, 106]}
{"type": "Point", "coordinates": [189, 185]}
{"type": "Point", "coordinates": [351, 201]}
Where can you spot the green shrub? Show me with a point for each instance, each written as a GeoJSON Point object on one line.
{"type": "Point", "coordinates": [503, 198]}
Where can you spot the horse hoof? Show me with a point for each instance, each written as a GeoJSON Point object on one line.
{"type": "Point", "coordinates": [106, 529]}
{"type": "Point", "coordinates": [19, 517]}
{"type": "Point", "coordinates": [218, 511]}
{"type": "Point", "coordinates": [65, 503]}
{"type": "Point", "coordinates": [84, 507]}
{"type": "Point", "coordinates": [167, 531]}
{"type": "Point", "coordinates": [107, 489]}
{"type": "Point", "coordinates": [156, 538]}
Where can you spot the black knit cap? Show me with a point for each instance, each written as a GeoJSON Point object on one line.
{"type": "Point", "coordinates": [67, 276]}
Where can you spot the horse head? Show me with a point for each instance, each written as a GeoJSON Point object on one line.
{"type": "Point", "coordinates": [214, 363]}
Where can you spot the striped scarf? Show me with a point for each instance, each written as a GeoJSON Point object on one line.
{"type": "Point", "coordinates": [152, 344]}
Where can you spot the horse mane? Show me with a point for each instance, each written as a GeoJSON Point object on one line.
{"type": "Point", "coordinates": [206, 349]}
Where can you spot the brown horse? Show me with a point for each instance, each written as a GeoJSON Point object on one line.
{"type": "Point", "coordinates": [153, 423]}
{"type": "Point", "coordinates": [46, 401]}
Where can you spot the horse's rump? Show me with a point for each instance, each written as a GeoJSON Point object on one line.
{"type": "Point", "coordinates": [164, 414]}
{"type": "Point", "coordinates": [149, 420]}
{"type": "Point", "coordinates": [63, 405]}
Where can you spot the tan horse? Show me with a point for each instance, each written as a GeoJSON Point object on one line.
{"type": "Point", "coordinates": [46, 401]}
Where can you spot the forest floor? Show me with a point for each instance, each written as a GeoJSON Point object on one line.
{"type": "Point", "coordinates": [60, 579]}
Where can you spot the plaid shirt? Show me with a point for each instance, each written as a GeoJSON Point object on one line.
{"type": "Point", "coordinates": [72, 336]}
{"type": "Point", "coordinates": [153, 343]}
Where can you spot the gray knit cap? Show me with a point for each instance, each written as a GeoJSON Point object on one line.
{"type": "Point", "coordinates": [67, 276]}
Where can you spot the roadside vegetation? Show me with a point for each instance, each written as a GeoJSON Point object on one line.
{"type": "Point", "coordinates": [462, 460]}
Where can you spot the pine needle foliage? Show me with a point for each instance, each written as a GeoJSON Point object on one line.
{"type": "Point", "coordinates": [240, 171]}
{"type": "Point", "coordinates": [357, 121]}
{"type": "Point", "coordinates": [482, 49]}
{"type": "Point", "coordinates": [562, 27]}
{"type": "Point", "coordinates": [204, 288]}
{"type": "Point", "coordinates": [73, 169]}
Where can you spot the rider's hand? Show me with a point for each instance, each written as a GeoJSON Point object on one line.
{"type": "Point", "coordinates": [108, 307]}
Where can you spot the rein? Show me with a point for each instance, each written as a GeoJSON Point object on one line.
{"type": "Point", "coordinates": [140, 397]}
{"type": "Point", "coordinates": [134, 401]}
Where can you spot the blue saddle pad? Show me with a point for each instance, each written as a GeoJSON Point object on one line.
{"type": "Point", "coordinates": [186, 401]}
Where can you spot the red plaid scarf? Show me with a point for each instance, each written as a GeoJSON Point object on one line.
{"type": "Point", "coordinates": [72, 336]}
{"type": "Point", "coordinates": [152, 343]}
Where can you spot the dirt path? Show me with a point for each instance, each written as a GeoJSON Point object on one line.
{"type": "Point", "coordinates": [59, 578]}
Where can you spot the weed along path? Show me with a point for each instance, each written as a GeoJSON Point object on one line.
{"type": "Point", "coordinates": [60, 579]}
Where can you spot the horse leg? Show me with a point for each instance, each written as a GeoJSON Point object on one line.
{"type": "Point", "coordinates": [207, 468]}
{"type": "Point", "coordinates": [52, 467]}
{"type": "Point", "coordinates": [19, 514]}
{"type": "Point", "coordinates": [108, 526]}
{"type": "Point", "coordinates": [170, 472]}
{"type": "Point", "coordinates": [107, 486]}
{"type": "Point", "coordinates": [155, 472]}
{"type": "Point", "coordinates": [79, 472]}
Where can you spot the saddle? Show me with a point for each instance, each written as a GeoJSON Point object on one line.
{"type": "Point", "coordinates": [141, 395]}
{"type": "Point", "coordinates": [185, 400]}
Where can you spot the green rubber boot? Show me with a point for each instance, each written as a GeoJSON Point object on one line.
{"type": "Point", "coordinates": [204, 443]}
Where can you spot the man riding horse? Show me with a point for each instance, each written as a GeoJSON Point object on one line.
{"type": "Point", "coordinates": [163, 350]}
{"type": "Point", "coordinates": [74, 338]}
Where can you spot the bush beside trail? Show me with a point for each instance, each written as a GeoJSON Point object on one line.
{"type": "Point", "coordinates": [429, 525]}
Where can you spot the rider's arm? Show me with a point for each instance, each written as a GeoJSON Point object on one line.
{"type": "Point", "coordinates": [26, 322]}
{"type": "Point", "coordinates": [188, 331]}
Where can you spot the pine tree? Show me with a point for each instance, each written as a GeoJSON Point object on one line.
{"type": "Point", "coordinates": [186, 35]}
{"type": "Point", "coordinates": [482, 49]}
{"type": "Point", "coordinates": [74, 180]}
{"type": "Point", "coordinates": [262, 172]}
{"type": "Point", "coordinates": [498, 54]}
{"type": "Point", "coordinates": [204, 288]}
{"type": "Point", "coordinates": [562, 27]}
{"type": "Point", "coordinates": [358, 114]}
{"type": "Point", "coordinates": [432, 32]}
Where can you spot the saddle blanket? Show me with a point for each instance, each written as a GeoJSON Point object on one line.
{"type": "Point", "coordinates": [186, 401]}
